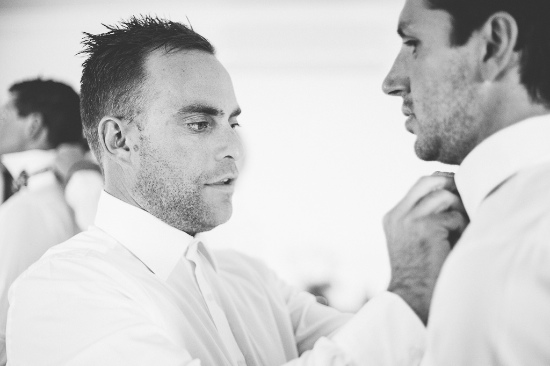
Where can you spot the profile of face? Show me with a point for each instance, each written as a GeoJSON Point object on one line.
{"type": "Point", "coordinates": [438, 84]}
{"type": "Point", "coordinates": [13, 129]}
{"type": "Point", "coordinates": [188, 145]}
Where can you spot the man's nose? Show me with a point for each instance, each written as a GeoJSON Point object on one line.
{"type": "Point", "coordinates": [397, 82]}
{"type": "Point", "coordinates": [230, 144]}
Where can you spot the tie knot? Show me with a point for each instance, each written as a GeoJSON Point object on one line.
{"type": "Point", "coordinates": [21, 181]}
{"type": "Point", "coordinates": [23, 178]}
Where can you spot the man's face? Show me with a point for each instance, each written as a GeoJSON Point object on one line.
{"type": "Point", "coordinates": [438, 85]}
{"type": "Point", "coordinates": [188, 144]}
{"type": "Point", "coordinates": [12, 128]}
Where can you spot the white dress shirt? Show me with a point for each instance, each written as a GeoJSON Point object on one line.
{"type": "Point", "coordinates": [82, 194]}
{"type": "Point", "coordinates": [491, 305]}
{"type": "Point", "coordinates": [31, 221]}
{"type": "Point", "coordinates": [133, 290]}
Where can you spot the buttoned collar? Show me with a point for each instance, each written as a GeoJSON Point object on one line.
{"type": "Point", "coordinates": [499, 157]}
{"type": "Point", "coordinates": [156, 244]}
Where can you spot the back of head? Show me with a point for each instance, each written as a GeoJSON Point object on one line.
{"type": "Point", "coordinates": [533, 38]}
{"type": "Point", "coordinates": [114, 70]}
{"type": "Point", "coordinates": [58, 105]}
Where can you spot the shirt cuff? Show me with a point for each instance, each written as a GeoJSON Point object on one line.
{"type": "Point", "coordinates": [385, 331]}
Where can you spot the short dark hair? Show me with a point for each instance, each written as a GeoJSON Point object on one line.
{"type": "Point", "coordinates": [57, 103]}
{"type": "Point", "coordinates": [533, 36]}
{"type": "Point", "coordinates": [113, 72]}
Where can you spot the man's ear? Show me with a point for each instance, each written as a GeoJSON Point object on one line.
{"type": "Point", "coordinates": [36, 131]}
{"type": "Point", "coordinates": [500, 36]}
{"type": "Point", "coordinates": [113, 136]}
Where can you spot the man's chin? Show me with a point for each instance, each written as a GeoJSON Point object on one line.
{"type": "Point", "coordinates": [424, 152]}
{"type": "Point", "coordinates": [218, 216]}
{"type": "Point", "coordinates": [432, 154]}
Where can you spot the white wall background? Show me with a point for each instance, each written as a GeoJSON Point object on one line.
{"type": "Point", "coordinates": [327, 152]}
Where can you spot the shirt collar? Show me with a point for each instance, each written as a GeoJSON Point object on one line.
{"type": "Point", "coordinates": [38, 164]}
{"type": "Point", "coordinates": [499, 157]}
{"type": "Point", "coordinates": [197, 247]}
{"type": "Point", "coordinates": [30, 161]}
{"type": "Point", "coordinates": [156, 244]}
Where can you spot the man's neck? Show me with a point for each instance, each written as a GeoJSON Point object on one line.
{"type": "Point", "coordinates": [505, 105]}
{"type": "Point", "coordinates": [121, 193]}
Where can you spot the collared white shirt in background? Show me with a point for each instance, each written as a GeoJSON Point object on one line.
{"type": "Point", "coordinates": [124, 293]}
{"type": "Point", "coordinates": [31, 221]}
{"type": "Point", "coordinates": [82, 194]}
{"type": "Point", "coordinates": [491, 305]}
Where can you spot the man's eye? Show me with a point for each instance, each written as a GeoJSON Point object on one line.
{"type": "Point", "coordinates": [235, 125]}
{"type": "Point", "coordinates": [198, 126]}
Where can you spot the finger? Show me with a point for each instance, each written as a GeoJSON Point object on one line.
{"type": "Point", "coordinates": [453, 221]}
{"type": "Point", "coordinates": [423, 186]}
{"type": "Point", "coordinates": [456, 203]}
{"type": "Point", "coordinates": [437, 201]}
{"type": "Point", "coordinates": [456, 223]}
{"type": "Point", "coordinates": [443, 174]}
{"type": "Point", "coordinates": [459, 206]}
{"type": "Point", "coordinates": [452, 185]}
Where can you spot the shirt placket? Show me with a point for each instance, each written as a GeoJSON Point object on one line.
{"type": "Point", "coordinates": [216, 312]}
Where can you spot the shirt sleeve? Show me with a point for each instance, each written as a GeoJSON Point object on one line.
{"type": "Point", "coordinates": [385, 331]}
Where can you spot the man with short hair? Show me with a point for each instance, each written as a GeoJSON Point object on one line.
{"type": "Point", "coordinates": [38, 117]}
{"type": "Point", "coordinates": [475, 84]}
{"type": "Point", "coordinates": [142, 287]}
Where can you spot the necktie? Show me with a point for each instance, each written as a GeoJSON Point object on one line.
{"type": "Point", "coordinates": [23, 179]}
{"type": "Point", "coordinates": [216, 312]}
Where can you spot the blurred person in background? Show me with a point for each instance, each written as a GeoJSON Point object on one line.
{"type": "Point", "coordinates": [141, 286]}
{"type": "Point", "coordinates": [475, 83]}
{"type": "Point", "coordinates": [40, 140]}
{"type": "Point", "coordinates": [79, 173]}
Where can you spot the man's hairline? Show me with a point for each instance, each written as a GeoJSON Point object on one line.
{"type": "Point", "coordinates": [139, 87]}
{"type": "Point", "coordinates": [146, 74]}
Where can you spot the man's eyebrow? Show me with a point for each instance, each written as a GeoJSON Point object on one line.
{"type": "Point", "coordinates": [200, 108]}
{"type": "Point", "coordinates": [206, 109]}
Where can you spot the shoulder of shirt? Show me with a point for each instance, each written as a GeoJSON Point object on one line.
{"type": "Point", "coordinates": [528, 189]}
{"type": "Point", "coordinates": [93, 251]}
{"type": "Point", "coordinates": [520, 206]}
{"type": "Point", "coordinates": [235, 262]}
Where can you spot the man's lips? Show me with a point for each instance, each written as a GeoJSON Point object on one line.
{"type": "Point", "coordinates": [224, 180]}
{"type": "Point", "coordinates": [409, 123]}
{"type": "Point", "coordinates": [407, 111]}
